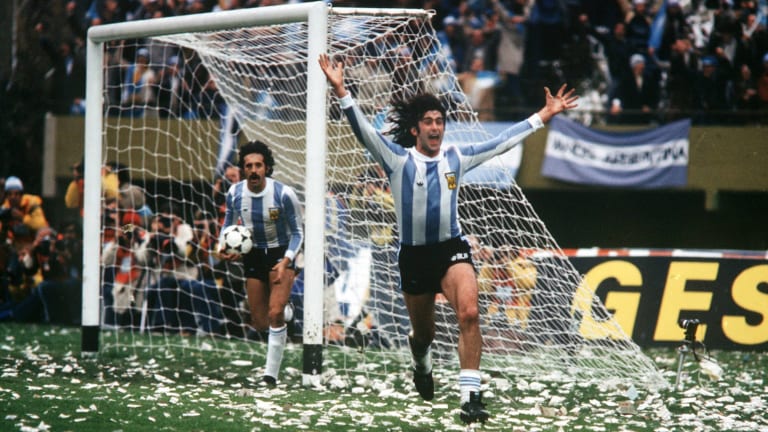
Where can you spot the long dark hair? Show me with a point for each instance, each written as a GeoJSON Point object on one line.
{"type": "Point", "coordinates": [405, 114]}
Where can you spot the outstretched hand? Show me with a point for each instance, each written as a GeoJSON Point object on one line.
{"type": "Point", "coordinates": [558, 103]}
{"type": "Point", "coordinates": [334, 73]}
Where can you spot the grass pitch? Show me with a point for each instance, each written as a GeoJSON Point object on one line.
{"type": "Point", "coordinates": [45, 385]}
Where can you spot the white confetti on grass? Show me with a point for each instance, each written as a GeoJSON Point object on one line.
{"type": "Point", "coordinates": [388, 403]}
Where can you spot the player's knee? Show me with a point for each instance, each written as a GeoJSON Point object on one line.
{"type": "Point", "coordinates": [276, 316]}
{"type": "Point", "coordinates": [468, 314]}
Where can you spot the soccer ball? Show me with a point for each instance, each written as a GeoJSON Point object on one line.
{"type": "Point", "coordinates": [237, 240]}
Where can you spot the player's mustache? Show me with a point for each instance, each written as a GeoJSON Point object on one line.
{"type": "Point", "coordinates": [254, 177]}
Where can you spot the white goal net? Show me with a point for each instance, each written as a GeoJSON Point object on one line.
{"type": "Point", "coordinates": [175, 105]}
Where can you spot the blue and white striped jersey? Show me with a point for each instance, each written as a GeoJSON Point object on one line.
{"type": "Point", "coordinates": [274, 215]}
{"type": "Point", "coordinates": [425, 189]}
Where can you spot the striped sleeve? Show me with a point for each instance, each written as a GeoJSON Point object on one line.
{"type": "Point", "coordinates": [387, 153]}
{"type": "Point", "coordinates": [476, 154]}
{"type": "Point", "coordinates": [295, 220]}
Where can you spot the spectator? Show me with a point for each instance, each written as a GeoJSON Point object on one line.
{"type": "Point", "coordinates": [11, 277]}
{"type": "Point", "coordinates": [67, 83]}
{"type": "Point", "coordinates": [24, 214]}
{"type": "Point", "coordinates": [511, 49]}
{"type": "Point", "coordinates": [470, 16]}
{"type": "Point", "coordinates": [230, 176]}
{"type": "Point", "coordinates": [139, 84]}
{"type": "Point", "coordinates": [618, 51]}
{"type": "Point", "coordinates": [479, 46]}
{"type": "Point", "coordinates": [637, 97]}
{"type": "Point", "coordinates": [171, 85]}
{"type": "Point", "coordinates": [124, 263]}
{"type": "Point", "coordinates": [211, 104]}
{"type": "Point", "coordinates": [683, 68]}
{"type": "Point", "coordinates": [131, 198]}
{"type": "Point", "coordinates": [729, 49]}
{"type": "Point", "coordinates": [114, 74]}
{"type": "Point", "coordinates": [675, 28]}
{"type": "Point", "coordinates": [710, 91]}
{"type": "Point", "coordinates": [452, 35]}
{"type": "Point", "coordinates": [545, 35]}
{"type": "Point", "coordinates": [546, 31]}
{"type": "Point", "coordinates": [507, 282]}
{"type": "Point", "coordinates": [445, 45]}
{"type": "Point", "coordinates": [170, 303]}
{"type": "Point", "coordinates": [745, 96]}
{"type": "Point", "coordinates": [638, 27]}
{"type": "Point", "coordinates": [604, 14]}
{"type": "Point", "coordinates": [198, 281]}
{"type": "Point", "coordinates": [479, 85]}
{"type": "Point", "coordinates": [577, 57]}
{"type": "Point", "coordinates": [106, 12]}
{"type": "Point", "coordinates": [73, 199]}
{"type": "Point", "coordinates": [56, 299]}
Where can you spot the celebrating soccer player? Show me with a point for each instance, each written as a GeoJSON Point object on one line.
{"type": "Point", "coordinates": [434, 257]}
{"type": "Point", "coordinates": [272, 211]}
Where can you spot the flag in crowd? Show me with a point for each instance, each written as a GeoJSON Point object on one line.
{"type": "Point", "coordinates": [652, 158]}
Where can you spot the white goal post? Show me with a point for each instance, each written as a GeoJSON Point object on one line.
{"type": "Point", "coordinates": [257, 69]}
{"type": "Point", "coordinates": [316, 15]}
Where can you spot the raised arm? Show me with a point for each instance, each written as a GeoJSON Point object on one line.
{"type": "Point", "coordinates": [478, 153]}
{"type": "Point", "coordinates": [334, 73]}
{"type": "Point", "coordinates": [558, 103]}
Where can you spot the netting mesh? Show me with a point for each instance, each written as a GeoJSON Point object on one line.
{"type": "Point", "coordinates": [168, 126]}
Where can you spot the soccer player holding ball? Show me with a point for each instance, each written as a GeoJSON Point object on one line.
{"type": "Point", "coordinates": [273, 213]}
{"type": "Point", "coordinates": [434, 256]}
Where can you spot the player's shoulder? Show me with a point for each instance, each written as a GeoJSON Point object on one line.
{"type": "Point", "coordinates": [280, 189]}
{"type": "Point", "coordinates": [237, 187]}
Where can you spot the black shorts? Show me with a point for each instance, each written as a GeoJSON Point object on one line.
{"type": "Point", "coordinates": [259, 261]}
{"type": "Point", "coordinates": [423, 267]}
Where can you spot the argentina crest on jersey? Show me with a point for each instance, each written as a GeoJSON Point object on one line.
{"type": "Point", "coordinates": [450, 177]}
{"type": "Point", "coordinates": [274, 213]}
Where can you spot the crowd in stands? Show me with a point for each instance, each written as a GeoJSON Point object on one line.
{"type": "Point", "coordinates": [161, 258]}
{"type": "Point", "coordinates": [708, 60]}
{"type": "Point", "coordinates": [633, 61]}
{"type": "Point", "coordinates": [40, 268]}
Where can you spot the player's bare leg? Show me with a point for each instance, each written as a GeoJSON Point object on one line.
{"type": "Point", "coordinates": [258, 301]}
{"type": "Point", "coordinates": [460, 288]}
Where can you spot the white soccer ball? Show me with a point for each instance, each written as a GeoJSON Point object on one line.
{"type": "Point", "coordinates": [237, 240]}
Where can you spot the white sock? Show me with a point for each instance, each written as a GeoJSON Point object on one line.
{"type": "Point", "coordinates": [275, 347]}
{"type": "Point", "coordinates": [469, 381]}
